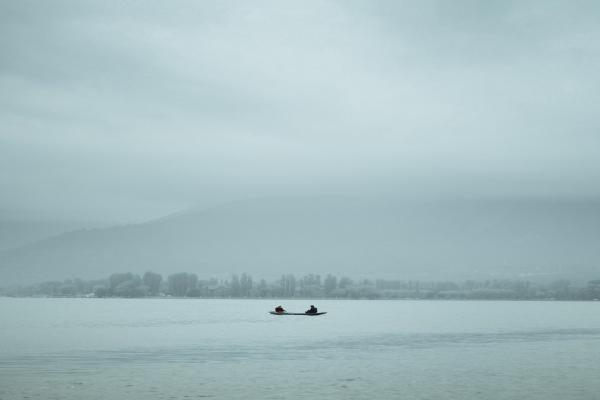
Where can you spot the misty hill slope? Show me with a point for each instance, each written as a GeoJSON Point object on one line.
{"type": "Point", "coordinates": [16, 232]}
{"type": "Point", "coordinates": [450, 240]}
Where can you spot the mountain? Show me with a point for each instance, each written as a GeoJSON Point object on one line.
{"type": "Point", "coordinates": [406, 239]}
{"type": "Point", "coordinates": [16, 232]}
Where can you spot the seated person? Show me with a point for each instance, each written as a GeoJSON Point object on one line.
{"type": "Point", "coordinates": [279, 309]}
{"type": "Point", "coordinates": [312, 310]}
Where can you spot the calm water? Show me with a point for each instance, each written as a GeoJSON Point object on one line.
{"type": "Point", "coordinates": [233, 349]}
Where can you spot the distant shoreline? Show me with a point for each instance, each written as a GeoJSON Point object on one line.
{"type": "Point", "coordinates": [308, 287]}
{"type": "Point", "coordinates": [291, 298]}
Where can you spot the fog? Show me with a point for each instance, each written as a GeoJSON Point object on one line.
{"type": "Point", "coordinates": [123, 114]}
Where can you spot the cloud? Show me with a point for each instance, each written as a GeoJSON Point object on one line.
{"type": "Point", "coordinates": [108, 107]}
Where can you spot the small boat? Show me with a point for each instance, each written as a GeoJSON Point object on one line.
{"type": "Point", "coordinates": [296, 313]}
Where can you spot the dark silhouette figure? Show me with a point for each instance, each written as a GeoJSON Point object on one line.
{"type": "Point", "coordinates": [279, 309]}
{"type": "Point", "coordinates": [312, 310]}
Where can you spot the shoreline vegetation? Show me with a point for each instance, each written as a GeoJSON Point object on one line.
{"type": "Point", "coordinates": [313, 286]}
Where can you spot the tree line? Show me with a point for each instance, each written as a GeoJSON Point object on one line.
{"type": "Point", "coordinates": [183, 284]}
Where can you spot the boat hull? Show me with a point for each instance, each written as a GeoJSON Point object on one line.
{"type": "Point", "coordinates": [288, 313]}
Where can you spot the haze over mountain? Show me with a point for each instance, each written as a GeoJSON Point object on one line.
{"type": "Point", "coordinates": [122, 114]}
{"type": "Point", "coordinates": [18, 229]}
{"type": "Point", "coordinates": [343, 235]}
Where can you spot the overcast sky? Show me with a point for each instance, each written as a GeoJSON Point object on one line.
{"type": "Point", "coordinates": [130, 110]}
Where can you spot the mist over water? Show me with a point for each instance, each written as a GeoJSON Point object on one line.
{"type": "Point", "coordinates": [412, 150]}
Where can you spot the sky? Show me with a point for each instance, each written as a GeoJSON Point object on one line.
{"type": "Point", "coordinates": [122, 112]}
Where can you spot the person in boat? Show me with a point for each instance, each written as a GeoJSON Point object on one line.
{"type": "Point", "coordinates": [279, 309]}
{"type": "Point", "coordinates": [312, 310]}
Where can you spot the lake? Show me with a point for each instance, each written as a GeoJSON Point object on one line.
{"type": "Point", "coordinates": [233, 349]}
